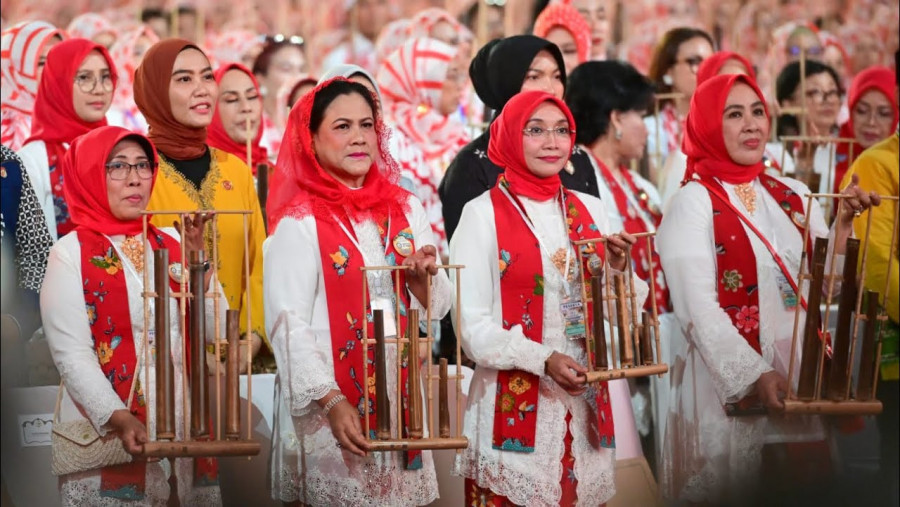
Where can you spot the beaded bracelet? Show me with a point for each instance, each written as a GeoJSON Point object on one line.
{"type": "Point", "coordinates": [332, 402]}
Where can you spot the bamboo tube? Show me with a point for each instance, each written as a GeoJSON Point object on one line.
{"type": "Point", "coordinates": [800, 279]}
{"type": "Point", "coordinates": [232, 374]}
{"type": "Point", "coordinates": [145, 342]}
{"type": "Point", "coordinates": [165, 371]}
{"type": "Point", "coordinates": [443, 401]}
{"type": "Point", "coordinates": [199, 385]}
{"type": "Point", "coordinates": [625, 347]}
{"type": "Point", "coordinates": [262, 188]}
{"type": "Point", "coordinates": [601, 362]}
{"type": "Point", "coordinates": [867, 367]}
{"type": "Point", "coordinates": [840, 366]}
{"type": "Point", "coordinates": [413, 390]}
{"type": "Point", "coordinates": [646, 344]}
{"type": "Point", "coordinates": [248, 141]}
{"type": "Point", "coordinates": [217, 331]}
{"type": "Point", "coordinates": [806, 387]}
{"type": "Point", "coordinates": [382, 402]}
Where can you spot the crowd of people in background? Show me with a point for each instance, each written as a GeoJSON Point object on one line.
{"type": "Point", "coordinates": [424, 132]}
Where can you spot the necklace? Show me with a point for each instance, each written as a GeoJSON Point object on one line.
{"type": "Point", "coordinates": [747, 194]}
{"type": "Point", "coordinates": [133, 249]}
{"type": "Point", "coordinates": [559, 260]}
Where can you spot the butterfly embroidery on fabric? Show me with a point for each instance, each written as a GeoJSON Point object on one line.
{"type": "Point", "coordinates": [340, 260]}
{"type": "Point", "coordinates": [108, 262]}
{"type": "Point", "coordinates": [504, 262]}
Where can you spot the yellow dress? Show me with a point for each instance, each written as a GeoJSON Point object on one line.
{"type": "Point", "coordinates": [227, 186]}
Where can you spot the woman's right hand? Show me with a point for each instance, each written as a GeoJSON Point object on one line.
{"type": "Point", "coordinates": [132, 432]}
{"type": "Point", "coordinates": [772, 387]}
{"type": "Point", "coordinates": [560, 368]}
{"type": "Point", "coordinates": [345, 426]}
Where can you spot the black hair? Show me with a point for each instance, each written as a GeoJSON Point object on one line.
{"type": "Point", "coordinates": [272, 46]}
{"type": "Point", "coordinates": [665, 55]}
{"type": "Point", "coordinates": [596, 89]}
{"type": "Point", "coordinates": [149, 14]}
{"type": "Point", "coordinates": [787, 83]}
{"type": "Point", "coordinates": [326, 95]}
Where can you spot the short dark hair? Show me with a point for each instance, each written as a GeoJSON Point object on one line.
{"type": "Point", "coordinates": [151, 14]}
{"type": "Point", "coordinates": [264, 59]}
{"type": "Point", "coordinates": [596, 89]}
{"type": "Point", "coordinates": [328, 93]}
{"type": "Point", "coordinates": [665, 55]}
{"type": "Point", "coordinates": [786, 84]}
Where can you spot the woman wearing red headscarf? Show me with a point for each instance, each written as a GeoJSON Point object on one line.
{"type": "Point", "coordinates": [238, 114]}
{"type": "Point", "coordinates": [99, 267]}
{"type": "Point", "coordinates": [872, 101]}
{"type": "Point", "coordinates": [127, 53]}
{"type": "Point", "coordinates": [538, 435]}
{"type": "Point", "coordinates": [24, 52]}
{"type": "Point", "coordinates": [563, 25]}
{"type": "Point", "coordinates": [335, 206]}
{"type": "Point", "coordinates": [75, 93]}
{"type": "Point", "coordinates": [731, 244]}
{"type": "Point", "coordinates": [175, 89]}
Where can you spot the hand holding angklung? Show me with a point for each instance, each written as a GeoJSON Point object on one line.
{"type": "Point", "coordinates": [346, 428]}
{"type": "Point", "coordinates": [617, 249]}
{"type": "Point", "coordinates": [421, 264]}
{"type": "Point", "coordinates": [771, 387]}
{"type": "Point", "coordinates": [192, 235]}
{"type": "Point", "coordinates": [127, 427]}
{"type": "Point", "coordinates": [856, 201]}
{"type": "Point", "coordinates": [566, 372]}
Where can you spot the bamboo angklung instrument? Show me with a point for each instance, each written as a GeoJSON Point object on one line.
{"type": "Point", "coordinates": [601, 362]}
{"type": "Point", "coordinates": [232, 375]}
{"type": "Point", "coordinates": [199, 369]}
{"type": "Point", "coordinates": [165, 371]}
{"type": "Point", "coordinates": [809, 362]}
{"type": "Point", "coordinates": [840, 366]}
{"type": "Point", "coordinates": [262, 187]}
{"type": "Point", "coordinates": [646, 334]}
{"type": "Point", "coordinates": [413, 389]}
{"type": "Point", "coordinates": [382, 403]}
{"type": "Point", "coordinates": [865, 385]}
{"type": "Point", "coordinates": [443, 401]}
{"type": "Point", "coordinates": [622, 324]}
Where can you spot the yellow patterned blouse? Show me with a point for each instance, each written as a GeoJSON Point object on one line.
{"type": "Point", "coordinates": [227, 186]}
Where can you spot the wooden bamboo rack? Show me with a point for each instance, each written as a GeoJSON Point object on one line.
{"type": "Point", "coordinates": [832, 391]}
{"type": "Point", "coordinates": [632, 354]}
{"type": "Point", "coordinates": [200, 439]}
{"type": "Point", "coordinates": [428, 430]}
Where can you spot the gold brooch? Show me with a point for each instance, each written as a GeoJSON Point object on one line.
{"type": "Point", "coordinates": [747, 194]}
{"type": "Point", "coordinates": [133, 249]}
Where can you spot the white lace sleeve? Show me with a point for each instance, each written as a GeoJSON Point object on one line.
{"type": "Point", "coordinates": [483, 337]}
{"type": "Point", "coordinates": [69, 336]}
{"type": "Point", "coordinates": [292, 272]}
{"type": "Point", "coordinates": [441, 290]}
{"type": "Point", "coordinates": [687, 252]}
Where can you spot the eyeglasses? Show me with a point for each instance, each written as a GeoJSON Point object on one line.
{"type": "Point", "coordinates": [121, 170]}
{"type": "Point", "coordinates": [87, 82]}
{"type": "Point", "coordinates": [823, 97]}
{"type": "Point", "coordinates": [810, 51]}
{"type": "Point", "coordinates": [693, 62]}
{"type": "Point", "coordinates": [280, 38]}
{"type": "Point", "coordinates": [543, 133]}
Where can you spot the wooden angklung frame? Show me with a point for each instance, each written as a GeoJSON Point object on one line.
{"type": "Point", "coordinates": [838, 386]}
{"type": "Point", "coordinates": [389, 433]}
{"type": "Point", "coordinates": [199, 439]}
{"type": "Point", "coordinates": [637, 330]}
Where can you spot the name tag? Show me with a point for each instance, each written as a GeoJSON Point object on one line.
{"type": "Point", "coordinates": [788, 296]}
{"type": "Point", "coordinates": [571, 310]}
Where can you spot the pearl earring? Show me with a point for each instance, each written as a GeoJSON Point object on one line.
{"type": "Point", "coordinates": [618, 135]}
{"type": "Point", "coordinates": [667, 80]}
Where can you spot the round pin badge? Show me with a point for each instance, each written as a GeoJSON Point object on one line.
{"type": "Point", "coordinates": [403, 245]}
{"type": "Point", "coordinates": [798, 219]}
{"type": "Point", "coordinates": [176, 272]}
{"type": "Point", "coordinates": [594, 264]}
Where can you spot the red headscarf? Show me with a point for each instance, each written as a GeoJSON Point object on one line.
{"type": "Point", "coordinates": [84, 169]}
{"type": "Point", "coordinates": [301, 187]}
{"type": "Point", "coordinates": [151, 94]}
{"type": "Point", "coordinates": [873, 78]}
{"type": "Point", "coordinates": [506, 145]}
{"type": "Point", "coordinates": [713, 65]}
{"type": "Point", "coordinates": [218, 138]}
{"type": "Point", "coordinates": [567, 17]}
{"type": "Point", "coordinates": [704, 141]}
{"type": "Point", "coordinates": [55, 120]}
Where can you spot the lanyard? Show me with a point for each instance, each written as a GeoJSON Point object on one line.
{"type": "Point", "coordinates": [521, 209]}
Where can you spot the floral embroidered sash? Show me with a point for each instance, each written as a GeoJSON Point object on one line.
{"type": "Point", "coordinates": [341, 263]}
{"type": "Point", "coordinates": [109, 317]}
{"type": "Point", "coordinates": [55, 154]}
{"type": "Point", "coordinates": [634, 224]}
{"type": "Point", "coordinates": [522, 298]}
{"type": "Point", "coordinates": [735, 263]}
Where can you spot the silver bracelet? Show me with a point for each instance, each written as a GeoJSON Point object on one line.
{"type": "Point", "coordinates": [332, 402]}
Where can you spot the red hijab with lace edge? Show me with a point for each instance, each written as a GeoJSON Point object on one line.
{"type": "Point", "coordinates": [704, 141]}
{"type": "Point", "coordinates": [874, 78]}
{"type": "Point", "coordinates": [301, 187]}
{"type": "Point", "coordinates": [506, 145]}
{"type": "Point", "coordinates": [152, 80]}
{"type": "Point", "coordinates": [217, 137]}
{"type": "Point", "coordinates": [55, 120]}
{"type": "Point", "coordinates": [713, 65]}
{"type": "Point", "coordinates": [84, 170]}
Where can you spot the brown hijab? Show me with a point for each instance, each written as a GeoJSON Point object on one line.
{"type": "Point", "coordinates": [151, 94]}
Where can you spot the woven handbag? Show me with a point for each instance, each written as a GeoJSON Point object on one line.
{"type": "Point", "coordinates": [75, 446]}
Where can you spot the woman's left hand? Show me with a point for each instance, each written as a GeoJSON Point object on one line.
{"type": "Point", "coordinates": [420, 265]}
{"type": "Point", "coordinates": [617, 249]}
{"type": "Point", "coordinates": [192, 235]}
{"type": "Point", "coordinates": [856, 201]}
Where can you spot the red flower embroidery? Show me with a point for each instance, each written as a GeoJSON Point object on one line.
{"type": "Point", "coordinates": [747, 319]}
{"type": "Point", "coordinates": [226, 184]}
